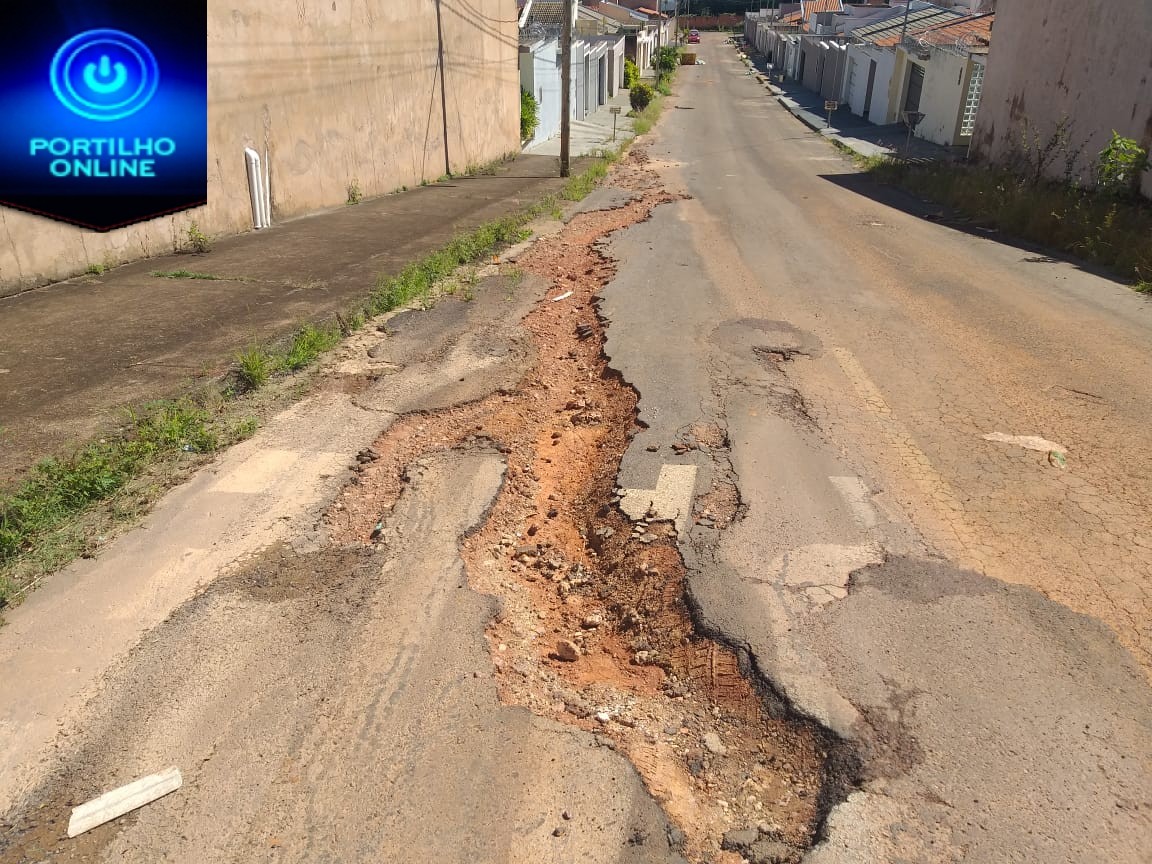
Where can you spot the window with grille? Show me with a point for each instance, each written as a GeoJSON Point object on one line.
{"type": "Point", "coordinates": [972, 102]}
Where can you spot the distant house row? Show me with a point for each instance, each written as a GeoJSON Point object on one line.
{"type": "Point", "coordinates": [925, 67]}
{"type": "Point", "coordinates": [604, 35]}
{"type": "Point", "coordinates": [966, 74]}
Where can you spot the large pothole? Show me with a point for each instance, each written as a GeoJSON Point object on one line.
{"type": "Point", "coordinates": [595, 629]}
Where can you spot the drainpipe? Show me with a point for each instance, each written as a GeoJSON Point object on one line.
{"type": "Point", "coordinates": [256, 191]}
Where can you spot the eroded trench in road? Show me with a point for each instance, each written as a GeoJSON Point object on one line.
{"type": "Point", "coordinates": [595, 627]}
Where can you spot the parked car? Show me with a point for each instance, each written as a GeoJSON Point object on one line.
{"type": "Point", "coordinates": [693, 37]}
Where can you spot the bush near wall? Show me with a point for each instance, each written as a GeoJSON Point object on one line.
{"type": "Point", "coordinates": [631, 74]}
{"type": "Point", "coordinates": [640, 96]}
{"type": "Point", "coordinates": [529, 115]}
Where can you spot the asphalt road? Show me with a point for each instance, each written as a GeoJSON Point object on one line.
{"type": "Point", "coordinates": [971, 614]}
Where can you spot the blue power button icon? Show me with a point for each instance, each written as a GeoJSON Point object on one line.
{"type": "Point", "coordinates": [104, 75]}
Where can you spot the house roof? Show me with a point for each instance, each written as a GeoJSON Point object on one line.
{"type": "Point", "coordinates": [886, 33]}
{"type": "Point", "coordinates": [815, 7]}
{"type": "Point", "coordinates": [545, 12]}
{"type": "Point", "coordinates": [618, 13]}
{"type": "Point", "coordinates": [965, 30]}
{"type": "Point", "coordinates": [971, 33]}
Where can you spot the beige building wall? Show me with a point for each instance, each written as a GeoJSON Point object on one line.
{"type": "Point", "coordinates": [333, 91]}
{"type": "Point", "coordinates": [946, 82]}
{"type": "Point", "coordinates": [1089, 60]}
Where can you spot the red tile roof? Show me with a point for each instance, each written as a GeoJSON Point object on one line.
{"type": "Point", "coordinates": [973, 32]}
{"type": "Point", "coordinates": [815, 7]}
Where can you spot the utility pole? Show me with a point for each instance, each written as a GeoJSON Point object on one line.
{"type": "Point", "coordinates": [904, 29]}
{"type": "Point", "coordinates": [566, 88]}
{"type": "Point", "coordinates": [443, 89]}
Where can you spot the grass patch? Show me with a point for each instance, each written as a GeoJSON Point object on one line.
{"type": "Point", "coordinates": [38, 518]}
{"type": "Point", "coordinates": [644, 120]}
{"type": "Point", "coordinates": [185, 274]}
{"type": "Point", "coordinates": [1105, 229]}
{"type": "Point", "coordinates": [307, 345]}
{"type": "Point", "coordinates": [417, 279]}
{"type": "Point", "coordinates": [254, 366]}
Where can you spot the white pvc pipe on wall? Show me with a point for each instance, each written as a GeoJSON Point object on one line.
{"type": "Point", "coordinates": [256, 189]}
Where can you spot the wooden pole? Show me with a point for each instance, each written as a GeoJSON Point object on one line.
{"type": "Point", "coordinates": [566, 89]}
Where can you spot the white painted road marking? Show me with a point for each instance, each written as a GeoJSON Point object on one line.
{"type": "Point", "coordinates": [671, 499]}
{"type": "Point", "coordinates": [858, 499]}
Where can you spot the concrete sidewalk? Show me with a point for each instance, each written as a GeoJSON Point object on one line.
{"type": "Point", "coordinates": [594, 132]}
{"type": "Point", "coordinates": [74, 353]}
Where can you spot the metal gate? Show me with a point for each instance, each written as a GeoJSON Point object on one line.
{"type": "Point", "coordinates": [915, 88]}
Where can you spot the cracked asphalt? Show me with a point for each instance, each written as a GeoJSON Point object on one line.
{"type": "Point", "coordinates": [971, 616]}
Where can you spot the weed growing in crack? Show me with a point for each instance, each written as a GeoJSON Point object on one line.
{"type": "Point", "coordinates": [355, 195]}
{"type": "Point", "coordinates": [198, 241]}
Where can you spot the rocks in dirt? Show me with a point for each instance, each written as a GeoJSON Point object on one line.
{"type": "Point", "coordinates": [526, 554]}
{"type": "Point", "coordinates": [647, 658]}
{"type": "Point", "coordinates": [603, 717]}
{"type": "Point", "coordinates": [713, 744]}
{"type": "Point", "coordinates": [567, 650]}
{"type": "Point", "coordinates": [652, 448]}
{"type": "Point", "coordinates": [739, 840]}
{"type": "Point", "coordinates": [584, 331]}
{"type": "Point", "coordinates": [565, 815]}
{"type": "Point", "coordinates": [367, 455]}
{"type": "Point", "coordinates": [559, 831]}
{"type": "Point", "coordinates": [676, 837]}
{"type": "Point", "coordinates": [553, 513]}
{"type": "Point", "coordinates": [577, 707]}
{"type": "Point", "coordinates": [770, 852]}
{"type": "Point", "coordinates": [591, 622]}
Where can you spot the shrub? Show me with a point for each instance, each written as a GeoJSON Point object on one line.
{"type": "Point", "coordinates": [640, 97]}
{"type": "Point", "coordinates": [666, 60]}
{"type": "Point", "coordinates": [631, 74]}
{"type": "Point", "coordinates": [1121, 164]}
{"type": "Point", "coordinates": [529, 115]}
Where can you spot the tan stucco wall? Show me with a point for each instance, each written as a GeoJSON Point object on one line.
{"type": "Point", "coordinates": [1090, 60]}
{"type": "Point", "coordinates": [334, 91]}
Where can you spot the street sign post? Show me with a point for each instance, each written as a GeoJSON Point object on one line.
{"type": "Point", "coordinates": [615, 109]}
{"type": "Point", "coordinates": [830, 105]}
{"type": "Point", "coordinates": [911, 120]}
